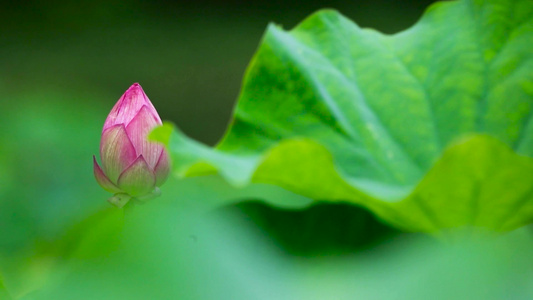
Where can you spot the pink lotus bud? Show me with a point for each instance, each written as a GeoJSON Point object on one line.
{"type": "Point", "coordinates": [132, 166]}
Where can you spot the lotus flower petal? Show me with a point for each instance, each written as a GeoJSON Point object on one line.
{"type": "Point", "coordinates": [116, 151]}
{"type": "Point", "coordinates": [128, 106]}
{"type": "Point", "coordinates": [102, 179]}
{"type": "Point", "coordinates": [131, 165]}
{"type": "Point", "coordinates": [162, 168]}
{"type": "Point", "coordinates": [138, 130]}
{"type": "Point", "coordinates": [138, 179]}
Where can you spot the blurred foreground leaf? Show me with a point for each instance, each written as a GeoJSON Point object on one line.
{"type": "Point", "coordinates": [3, 291]}
{"type": "Point", "coordinates": [171, 253]}
{"type": "Point", "coordinates": [426, 128]}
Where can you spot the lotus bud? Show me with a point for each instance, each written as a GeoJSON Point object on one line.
{"type": "Point", "coordinates": [132, 166]}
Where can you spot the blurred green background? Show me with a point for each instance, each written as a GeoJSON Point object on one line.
{"type": "Point", "coordinates": [63, 65]}
{"type": "Point", "coordinates": [189, 56]}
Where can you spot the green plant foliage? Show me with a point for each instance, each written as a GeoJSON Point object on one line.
{"type": "Point", "coordinates": [168, 252]}
{"type": "Point", "coordinates": [3, 291]}
{"type": "Point", "coordinates": [429, 128]}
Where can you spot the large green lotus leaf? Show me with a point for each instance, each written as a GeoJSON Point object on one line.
{"type": "Point", "coordinates": [429, 128]}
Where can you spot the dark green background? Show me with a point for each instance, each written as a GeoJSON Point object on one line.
{"type": "Point", "coordinates": [189, 56]}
